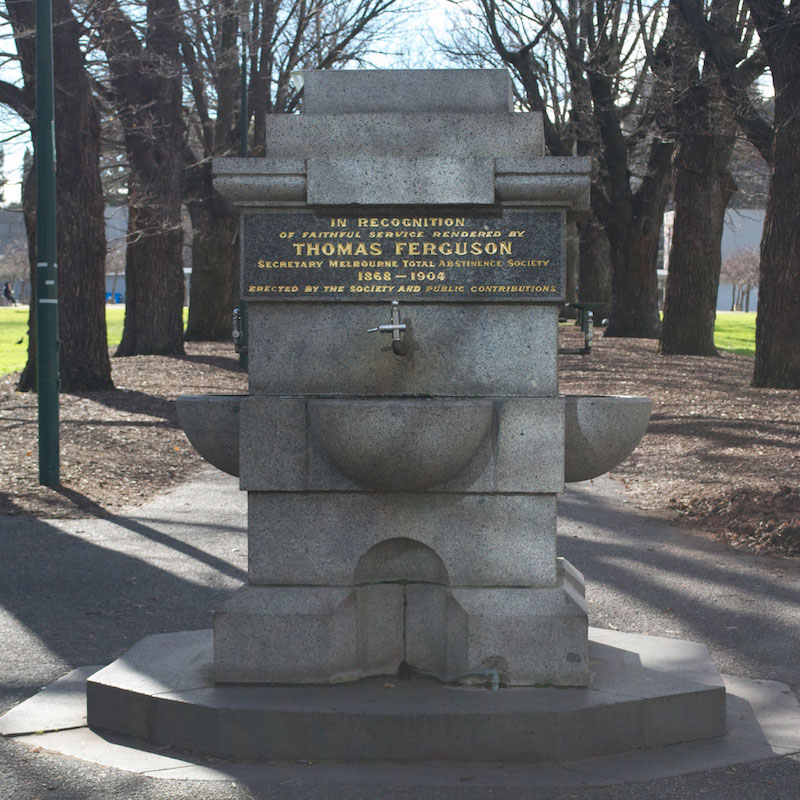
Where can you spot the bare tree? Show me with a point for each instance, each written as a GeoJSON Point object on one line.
{"type": "Point", "coordinates": [145, 76]}
{"type": "Point", "coordinates": [544, 79]}
{"type": "Point", "coordinates": [610, 106]}
{"type": "Point", "coordinates": [84, 362]}
{"type": "Point", "coordinates": [740, 268]}
{"type": "Point", "coordinates": [777, 360]}
{"type": "Point", "coordinates": [286, 36]}
{"type": "Point", "coordinates": [705, 134]}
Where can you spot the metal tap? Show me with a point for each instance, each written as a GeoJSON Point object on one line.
{"type": "Point", "coordinates": [239, 343]}
{"type": "Point", "coordinates": [396, 328]}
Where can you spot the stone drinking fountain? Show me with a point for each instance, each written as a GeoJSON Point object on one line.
{"type": "Point", "coordinates": [403, 445]}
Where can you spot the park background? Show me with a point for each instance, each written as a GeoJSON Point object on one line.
{"type": "Point", "coordinates": [689, 116]}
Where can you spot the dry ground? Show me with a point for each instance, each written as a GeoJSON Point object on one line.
{"type": "Point", "coordinates": [718, 454]}
{"type": "Point", "coordinates": [118, 448]}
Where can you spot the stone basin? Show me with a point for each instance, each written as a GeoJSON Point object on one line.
{"type": "Point", "coordinates": [211, 423]}
{"type": "Point", "coordinates": [400, 444]}
{"type": "Point", "coordinates": [600, 431]}
{"type": "Point", "coordinates": [406, 444]}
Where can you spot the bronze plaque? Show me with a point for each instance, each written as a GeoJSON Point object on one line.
{"type": "Point", "coordinates": [401, 255]}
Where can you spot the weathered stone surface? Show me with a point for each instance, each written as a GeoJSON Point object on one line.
{"type": "Point", "coordinates": [454, 350]}
{"type": "Point", "coordinates": [531, 637]}
{"type": "Point", "coordinates": [296, 634]}
{"type": "Point", "coordinates": [425, 616]}
{"type": "Point", "coordinates": [404, 497]}
{"type": "Point", "coordinates": [601, 431]}
{"type": "Point", "coordinates": [413, 134]}
{"type": "Point", "coordinates": [156, 664]}
{"type": "Point", "coordinates": [273, 452]}
{"type": "Point", "coordinates": [548, 180]}
{"type": "Point", "coordinates": [640, 685]}
{"type": "Point", "coordinates": [347, 444]}
{"type": "Point", "coordinates": [260, 181]}
{"type": "Point", "coordinates": [400, 445]}
{"type": "Point", "coordinates": [309, 634]}
{"type": "Point", "coordinates": [317, 538]}
{"type": "Point", "coordinates": [405, 90]}
{"type": "Point", "coordinates": [404, 180]}
{"type": "Point", "coordinates": [529, 445]}
{"type": "Point", "coordinates": [324, 634]}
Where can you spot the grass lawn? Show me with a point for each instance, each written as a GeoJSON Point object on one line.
{"type": "Point", "coordinates": [13, 338]}
{"type": "Point", "coordinates": [14, 327]}
{"type": "Point", "coordinates": [735, 332]}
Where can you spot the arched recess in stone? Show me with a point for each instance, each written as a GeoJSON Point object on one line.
{"type": "Point", "coordinates": [400, 560]}
{"type": "Point", "coordinates": [402, 594]}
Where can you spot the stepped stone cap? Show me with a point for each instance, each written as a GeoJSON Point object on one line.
{"type": "Point", "coordinates": [412, 134]}
{"type": "Point", "coordinates": [405, 137]}
{"type": "Point", "coordinates": [328, 91]}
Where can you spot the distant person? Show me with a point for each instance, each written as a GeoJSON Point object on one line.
{"type": "Point", "coordinates": [9, 294]}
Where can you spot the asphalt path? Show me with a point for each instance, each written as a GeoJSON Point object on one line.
{"type": "Point", "coordinates": [82, 592]}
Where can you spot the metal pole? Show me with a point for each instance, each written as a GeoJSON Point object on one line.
{"type": "Point", "coordinates": [47, 375]}
{"type": "Point", "coordinates": [243, 152]}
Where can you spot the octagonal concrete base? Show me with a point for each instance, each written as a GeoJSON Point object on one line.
{"type": "Point", "coordinates": [645, 692]}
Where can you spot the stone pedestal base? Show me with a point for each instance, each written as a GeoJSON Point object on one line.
{"type": "Point", "coordinates": [324, 634]}
{"type": "Point", "coordinates": [645, 692]}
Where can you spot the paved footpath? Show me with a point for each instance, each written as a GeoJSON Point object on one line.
{"type": "Point", "coordinates": [81, 592]}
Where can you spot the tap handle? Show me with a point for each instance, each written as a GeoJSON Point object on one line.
{"type": "Point", "coordinates": [396, 328]}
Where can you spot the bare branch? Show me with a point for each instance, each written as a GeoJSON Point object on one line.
{"type": "Point", "coordinates": [756, 128]}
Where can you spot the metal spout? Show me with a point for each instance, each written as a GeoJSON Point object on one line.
{"type": "Point", "coordinates": [396, 328]}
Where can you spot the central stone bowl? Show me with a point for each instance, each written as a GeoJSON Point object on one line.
{"type": "Point", "coordinates": [401, 444]}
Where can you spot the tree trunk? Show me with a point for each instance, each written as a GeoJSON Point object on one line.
{"type": "Point", "coordinates": [705, 136]}
{"type": "Point", "coordinates": [84, 362]}
{"type": "Point", "coordinates": [777, 361]}
{"type": "Point", "coordinates": [215, 257]}
{"type": "Point", "coordinates": [154, 287]}
{"type": "Point", "coordinates": [147, 95]}
{"type": "Point", "coordinates": [633, 227]}
{"type": "Point", "coordinates": [27, 378]}
{"type": "Point", "coordinates": [594, 270]}
{"type": "Point", "coordinates": [703, 187]}
{"type": "Point", "coordinates": [634, 281]}
{"type": "Point", "coordinates": [632, 219]}
{"type": "Point", "coordinates": [81, 233]}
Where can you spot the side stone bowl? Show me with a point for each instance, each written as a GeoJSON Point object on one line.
{"type": "Point", "coordinates": [600, 431]}
{"type": "Point", "coordinates": [211, 423]}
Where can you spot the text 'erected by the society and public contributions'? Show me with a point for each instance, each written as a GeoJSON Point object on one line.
{"type": "Point", "coordinates": [511, 256]}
